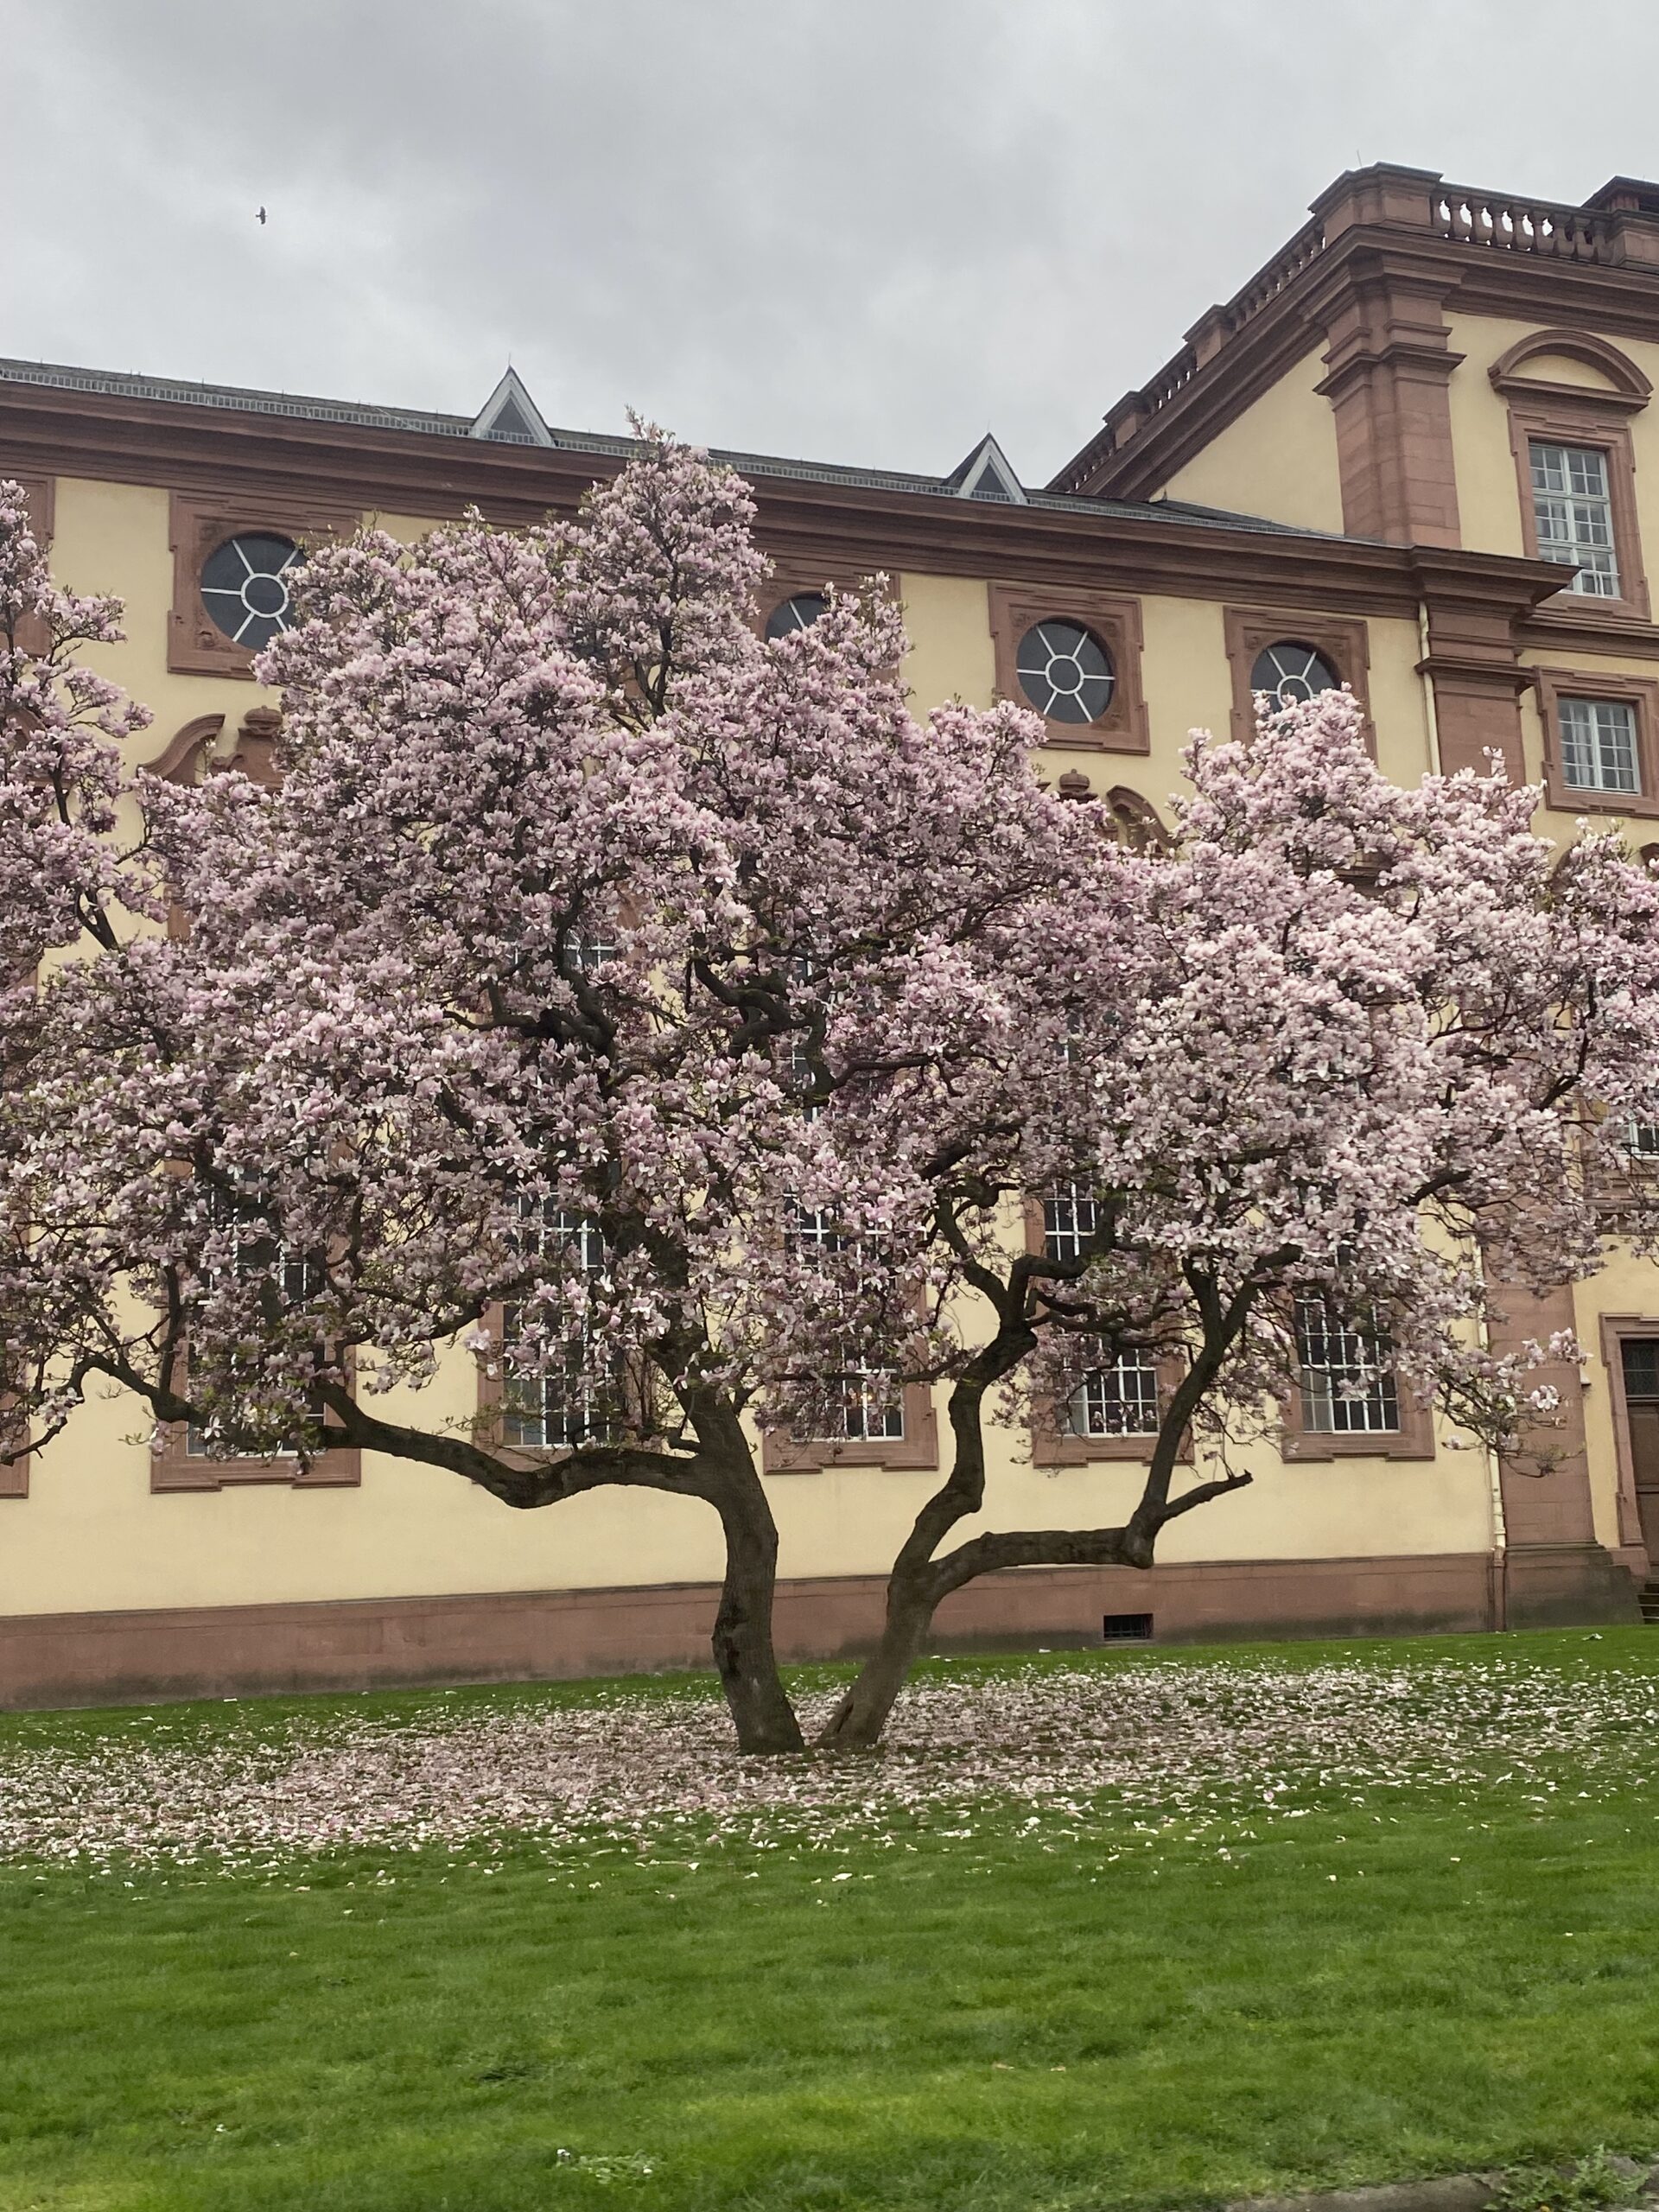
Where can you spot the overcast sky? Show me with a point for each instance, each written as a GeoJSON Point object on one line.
{"type": "Point", "coordinates": [864, 232]}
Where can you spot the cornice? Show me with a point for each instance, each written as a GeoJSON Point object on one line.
{"type": "Point", "coordinates": [803, 523]}
{"type": "Point", "coordinates": [1474, 279]}
{"type": "Point", "coordinates": [47, 432]}
{"type": "Point", "coordinates": [1550, 629]}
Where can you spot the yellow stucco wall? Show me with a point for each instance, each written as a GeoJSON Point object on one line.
{"type": "Point", "coordinates": [948, 620]}
{"type": "Point", "coordinates": [1277, 459]}
{"type": "Point", "coordinates": [113, 538]}
{"type": "Point", "coordinates": [1489, 494]}
{"type": "Point", "coordinates": [92, 1537]}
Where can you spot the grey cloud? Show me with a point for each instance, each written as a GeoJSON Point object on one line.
{"type": "Point", "coordinates": [861, 233]}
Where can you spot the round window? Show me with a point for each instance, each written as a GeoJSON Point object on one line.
{"type": "Point", "coordinates": [1294, 672]}
{"type": "Point", "coordinates": [245, 587]}
{"type": "Point", "coordinates": [797, 613]}
{"type": "Point", "coordinates": [1065, 672]}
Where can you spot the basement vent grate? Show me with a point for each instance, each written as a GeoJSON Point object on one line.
{"type": "Point", "coordinates": [1126, 1628]}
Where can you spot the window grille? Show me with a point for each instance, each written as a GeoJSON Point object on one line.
{"type": "Point", "coordinates": [1119, 1400]}
{"type": "Point", "coordinates": [799, 613]}
{"type": "Point", "coordinates": [868, 1407]}
{"type": "Point", "coordinates": [245, 587]}
{"type": "Point", "coordinates": [1573, 510]}
{"type": "Point", "coordinates": [585, 949]}
{"type": "Point", "coordinates": [1640, 1359]}
{"type": "Point", "coordinates": [1070, 1217]}
{"type": "Point", "coordinates": [812, 1231]}
{"type": "Point", "coordinates": [1065, 672]}
{"type": "Point", "coordinates": [1126, 1628]}
{"type": "Point", "coordinates": [803, 1075]}
{"type": "Point", "coordinates": [1292, 672]}
{"type": "Point", "coordinates": [1348, 1386]}
{"type": "Point", "coordinates": [1598, 747]}
{"type": "Point", "coordinates": [572, 1403]}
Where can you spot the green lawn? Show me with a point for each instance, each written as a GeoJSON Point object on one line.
{"type": "Point", "coordinates": [1105, 2011]}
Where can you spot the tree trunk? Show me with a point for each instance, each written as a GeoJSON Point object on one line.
{"type": "Point", "coordinates": [857, 1722]}
{"type": "Point", "coordinates": [744, 1654]}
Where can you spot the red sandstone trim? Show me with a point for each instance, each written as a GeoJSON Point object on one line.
{"type": "Point", "coordinates": [66, 1659]}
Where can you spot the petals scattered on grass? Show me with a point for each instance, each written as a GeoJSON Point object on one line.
{"type": "Point", "coordinates": [1038, 1748]}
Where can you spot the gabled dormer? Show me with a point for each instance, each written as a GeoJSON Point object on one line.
{"type": "Point", "coordinates": [511, 417]}
{"type": "Point", "coordinates": [986, 474]}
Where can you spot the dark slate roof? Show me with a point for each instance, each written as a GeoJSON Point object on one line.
{"type": "Point", "coordinates": [300, 407]}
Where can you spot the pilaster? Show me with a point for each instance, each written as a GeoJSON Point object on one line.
{"type": "Point", "coordinates": [1388, 362]}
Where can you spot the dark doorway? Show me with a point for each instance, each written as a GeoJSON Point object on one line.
{"type": "Point", "coordinates": [1640, 1360]}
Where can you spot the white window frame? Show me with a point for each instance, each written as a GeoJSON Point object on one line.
{"type": "Point", "coordinates": [1348, 1384]}
{"type": "Point", "coordinates": [1126, 1386]}
{"type": "Point", "coordinates": [1600, 745]}
{"type": "Point", "coordinates": [1572, 514]}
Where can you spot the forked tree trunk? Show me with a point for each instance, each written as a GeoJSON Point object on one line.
{"type": "Point", "coordinates": [857, 1722]}
{"type": "Point", "coordinates": [921, 1578]}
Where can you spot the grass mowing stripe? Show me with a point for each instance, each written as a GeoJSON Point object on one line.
{"type": "Point", "coordinates": [1083, 2014]}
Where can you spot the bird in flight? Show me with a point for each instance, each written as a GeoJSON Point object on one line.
{"type": "Point", "coordinates": [261, 215]}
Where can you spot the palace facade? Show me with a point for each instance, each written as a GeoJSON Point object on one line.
{"type": "Point", "coordinates": [1414, 454]}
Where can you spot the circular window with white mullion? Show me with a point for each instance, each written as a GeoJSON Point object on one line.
{"type": "Point", "coordinates": [1292, 671]}
{"type": "Point", "coordinates": [245, 587]}
{"type": "Point", "coordinates": [1065, 672]}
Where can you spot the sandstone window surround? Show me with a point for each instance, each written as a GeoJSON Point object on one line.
{"type": "Point", "coordinates": [1386, 1421]}
{"type": "Point", "coordinates": [794, 584]}
{"type": "Point", "coordinates": [1549, 418]}
{"type": "Point", "coordinates": [40, 503]}
{"type": "Point", "coordinates": [1635, 1412]}
{"type": "Point", "coordinates": [183, 1459]}
{"type": "Point", "coordinates": [186, 1459]}
{"type": "Point", "coordinates": [201, 524]}
{"type": "Point", "coordinates": [910, 1410]}
{"type": "Point", "coordinates": [183, 1462]}
{"type": "Point", "coordinates": [1574, 689]}
{"type": "Point", "coordinates": [1058, 1225]}
{"type": "Point", "coordinates": [1343, 644]}
{"type": "Point", "coordinates": [879, 1427]}
{"type": "Point", "coordinates": [14, 1477]}
{"type": "Point", "coordinates": [40, 500]}
{"type": "Point", "coordinates": [1018, 609]}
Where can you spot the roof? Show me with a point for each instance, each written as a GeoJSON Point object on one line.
{"type": "Point", "coordinates": [423, 422]}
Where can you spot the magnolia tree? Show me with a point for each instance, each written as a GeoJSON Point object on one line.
{"type": "Point", "coordinates": [666, 1019]}
{"type": "Point", "coordinates": [518, 1013]}
{"type": "Point", "coordinates": [1357, 1059]}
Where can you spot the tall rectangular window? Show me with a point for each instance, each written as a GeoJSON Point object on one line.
{"type": "Point", "coordinates": [1118, 1400]}
{"type": "Point", "coordinates": [1348, 1386]}
{"type": "Point", "coordinates": [567, 1402]}
{"type": "Point", "coordinates": [1573, 510]}
{"type": "Point", "coordinates": [1598, 745]}
{"type": "Point", "coordinates": [1070, 1217]}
